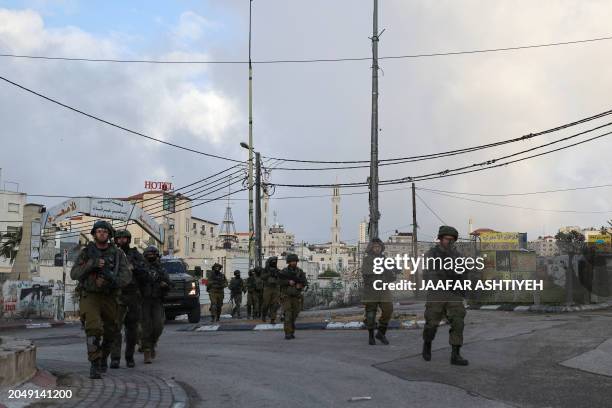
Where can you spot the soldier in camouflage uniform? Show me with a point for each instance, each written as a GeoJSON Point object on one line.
{"type": "Point", "coordinates": [259, 288]}
{"type": "Point", "coordinates": [442, 304]}
{"type": "Point", "coordinates": [129, 301]}
{"type": "Point", "coordinates": [375, 299]}
{"type": "Point", "coordinates": [102, 270]}
{"type": "Point", "coordinates": [155, 288]}
{"type": "Point", "coordinates": [292, 281]}
{"type": "Point", "coordinates": [217, 282]}
{"type": "Point", "coordinates": [252, 301]}
{"type": "Point", "coordinates": [271, 291]}
{"type": "Point", "coordinates": [237, 288]}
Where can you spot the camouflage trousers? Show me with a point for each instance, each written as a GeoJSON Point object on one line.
{"type": "Point", "coordinates": [371, 308]}
{"type": "Point", "coordinates": [128, 316]}
{"type": "Point", "coordinates": [291, 309]}
{"type": "Point", "coordinates": [437, 309]}
{"type": "Point", "coordinates": [237, 299]}
{"type": "Point", "coordinates": [99, 312]}
{"type": "Point", "coordinates": [270, 302]}
{"type": "Point", "coordinates": [216, 303]}
{"type": "Point", "coordinates": [253, 306]}
{"type": "Point", "coordinates": [152, 322]}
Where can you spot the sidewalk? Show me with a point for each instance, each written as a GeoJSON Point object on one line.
{"type": "Point", "coordinates": [18, 324]}
{"type": "Point", "coordinates": [118, 388]}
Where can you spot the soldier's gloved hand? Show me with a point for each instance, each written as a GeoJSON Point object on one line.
{"type": "Point", "coordinates": [291, 283]}
{"type": "Point", "coordinates": [100, 281]}
{"type": "Point", "coordinates": [101, 263]}
{"type": "Point", "coordinates": [299, 286]}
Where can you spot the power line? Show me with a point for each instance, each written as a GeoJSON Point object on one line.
{"type": "Point", "coordinates": [432, 211]}
{"type": "Point", "coordinates": [308, 60]}
{"type": "Point", "coordinates": [515, 194]}
{"type": "Point", "coordinates": [520, 207]}
{"type": "Point", "coordinates": [489, 164]}
{"type": "Point", "coordinates": [456, 151]}
{"type": "Point", "coordinates": [106, 122]}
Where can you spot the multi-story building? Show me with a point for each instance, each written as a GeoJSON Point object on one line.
{"type": "Point", "coordinates": [11, 218]}
{"type": "Point", "coordinates": [544, 246]}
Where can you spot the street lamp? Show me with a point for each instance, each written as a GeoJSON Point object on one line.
{"type": "Point", "coordinates": [251, 228]}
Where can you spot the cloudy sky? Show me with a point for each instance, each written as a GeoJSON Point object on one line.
{"type": "Point", "coordinates": [312, 111]}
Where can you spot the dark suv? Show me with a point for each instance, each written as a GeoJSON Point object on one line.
{"type": "Point", "coordinates": [184, 296]}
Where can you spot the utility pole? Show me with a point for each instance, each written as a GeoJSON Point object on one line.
{"type": "Point", "coordinates": [415, 241]}
{"type": "Point", "coordinates": [374, 214]}
{"type": "Point", "coordinates": [258, 209]}
{"type": "Point", "coordinates": [251, 228]}
{"type": "Point", "coordinates": [63, 304]}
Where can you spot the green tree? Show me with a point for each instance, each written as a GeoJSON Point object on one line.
{"type": "Point", "coordinates": [572, 244]}
{"type": "Point", "coordinates": [10, 244]}
{"type": "Point", "coordinates": [329, 274]}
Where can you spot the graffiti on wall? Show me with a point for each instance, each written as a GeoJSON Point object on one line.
{"type": "Point", "coordinates": [28, 299]}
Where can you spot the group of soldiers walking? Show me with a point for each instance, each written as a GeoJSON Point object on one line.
{"type": "Point", "coordinates": [440, 304]}
{"type": "Point", "coordinates": [118, 286]}
{"type": "Point", "coordinates": [266, 288]}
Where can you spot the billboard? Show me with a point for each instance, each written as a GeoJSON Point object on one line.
{"type": "Point", "coordinates": [601, 242]}
{"type": "Point", "coordinates": [500, 241]}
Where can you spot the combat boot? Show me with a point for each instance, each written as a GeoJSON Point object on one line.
{"type": "Point", "coordinates": [427, 350]}
{"type": "Point", "coordinates": [147, 357]}
{"type": "Point", "coordinates": [371, 340]}
{"type": "Point", "coordinates": [153, 353]}
{"type": "Point", "coordinates": [94, 373]}
{"type": "Point", "coordinates": [129, 361]}
{"type": "Point", "coordinates": [114, 363]}
{"type": "Point", "coordinates": [456, 358]}
{"type": "Point", "coordinates": [103, 365]}
{"type": "Point", "coordinates": [287, 337]}
{"type": "Point", "coordinates": [380, 335]}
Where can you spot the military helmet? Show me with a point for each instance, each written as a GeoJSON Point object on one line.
{"type": "Point", "coordinates": [150, 250]}
{"type": "Point", "coordinates": [102, 224]}
{"type": "Point", "coordinates": [236, 272]}
{"type": "Point", "coordinates": [448, 230]}
{"type": "Point", "coordinates": [217, 266]}
{"type": "Point", "coordinates": [292, 258]}
{"type": "Point", "coordinates": [124, 233]}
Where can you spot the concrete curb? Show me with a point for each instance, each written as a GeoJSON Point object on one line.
{"type": "Point", "coordinates": [17, 361]}
{"type": "Point", "coordinates": [44, 325]}
{"type": "Point", "coordinates": [356, 325]}
{"type": "Point", "coordinates": [507, 307]}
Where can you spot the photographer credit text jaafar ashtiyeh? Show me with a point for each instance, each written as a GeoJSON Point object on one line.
{"type": "Point", "coordinates": [458, 265]}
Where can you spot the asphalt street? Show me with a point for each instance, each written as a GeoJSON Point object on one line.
{"type": "Point", "coordinates": [516, 360]}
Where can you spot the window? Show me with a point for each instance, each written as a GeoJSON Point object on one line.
{"type": "Point", "coordinates": [193, 246]}
{"type": "Point", "coordinates": [211, 247]}
{"type": "Point", "coordinates": [195, 226]}
{"type": "Point", "coordinates": [211, 231]}
{"type": "Point", "coordinates": [13, 207]}
{"type": "Point", "coordinates": [202, 247]}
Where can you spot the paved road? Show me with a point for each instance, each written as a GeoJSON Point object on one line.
{"type": "Point", "coordinates": [517, 360]}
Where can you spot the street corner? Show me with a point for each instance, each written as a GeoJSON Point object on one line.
{"type": "Point", "coordinates": [117, 388]}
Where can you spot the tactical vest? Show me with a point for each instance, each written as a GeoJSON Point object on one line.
{"type": "Point", "coordinates": [111, 269]}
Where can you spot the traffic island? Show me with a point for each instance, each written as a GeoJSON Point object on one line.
{"type": "Point", "coordinates": [17, 361]}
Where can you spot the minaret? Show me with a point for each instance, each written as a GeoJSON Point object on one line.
{"type": "Point", "coordinates": [335, 229]}
{"type": "Point", "coordinates": [228, 228]}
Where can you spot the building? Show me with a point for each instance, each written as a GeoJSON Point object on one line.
{"type": "Point", "coordinates": [363, 231]}
{"type": "Point", "coordinates": [544, 246]}
{"type": "Point", "coordinates": [11, 218]}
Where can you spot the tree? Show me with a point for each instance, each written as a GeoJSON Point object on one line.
{"type": "Point", "coordinates": [10, 244]}
{"type": "Point", "coordinates": [572, 244]}
{"type": "Point", "coordinates": [329, 274]}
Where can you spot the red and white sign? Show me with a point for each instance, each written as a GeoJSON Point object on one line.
{"type": "Point", "coordinates": [158, 185]}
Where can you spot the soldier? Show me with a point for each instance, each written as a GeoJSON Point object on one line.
{"type": "Point", "coordinates": [237, 288]}
{"type": "Point", "coordinates": [292, 281]}
{"type": "Point", "coordinates": [270, 292]}
{"type": "Point", "coordinates": [217, 282]}
{"type": "Point", "coordinates": [259, 288]}
{"type": "Point", "coordinates": [444, 303]}
{"type": "Point", "coordinates": [251, 287]}
{"type": "Point", "coordinates": [153, 291]}
{"type": "Point", "coordinates": [374, 299]}
{"type": "Point", "coordinates": [101, 270]}
{"type": "Point", "coordinates": [129, 301]}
